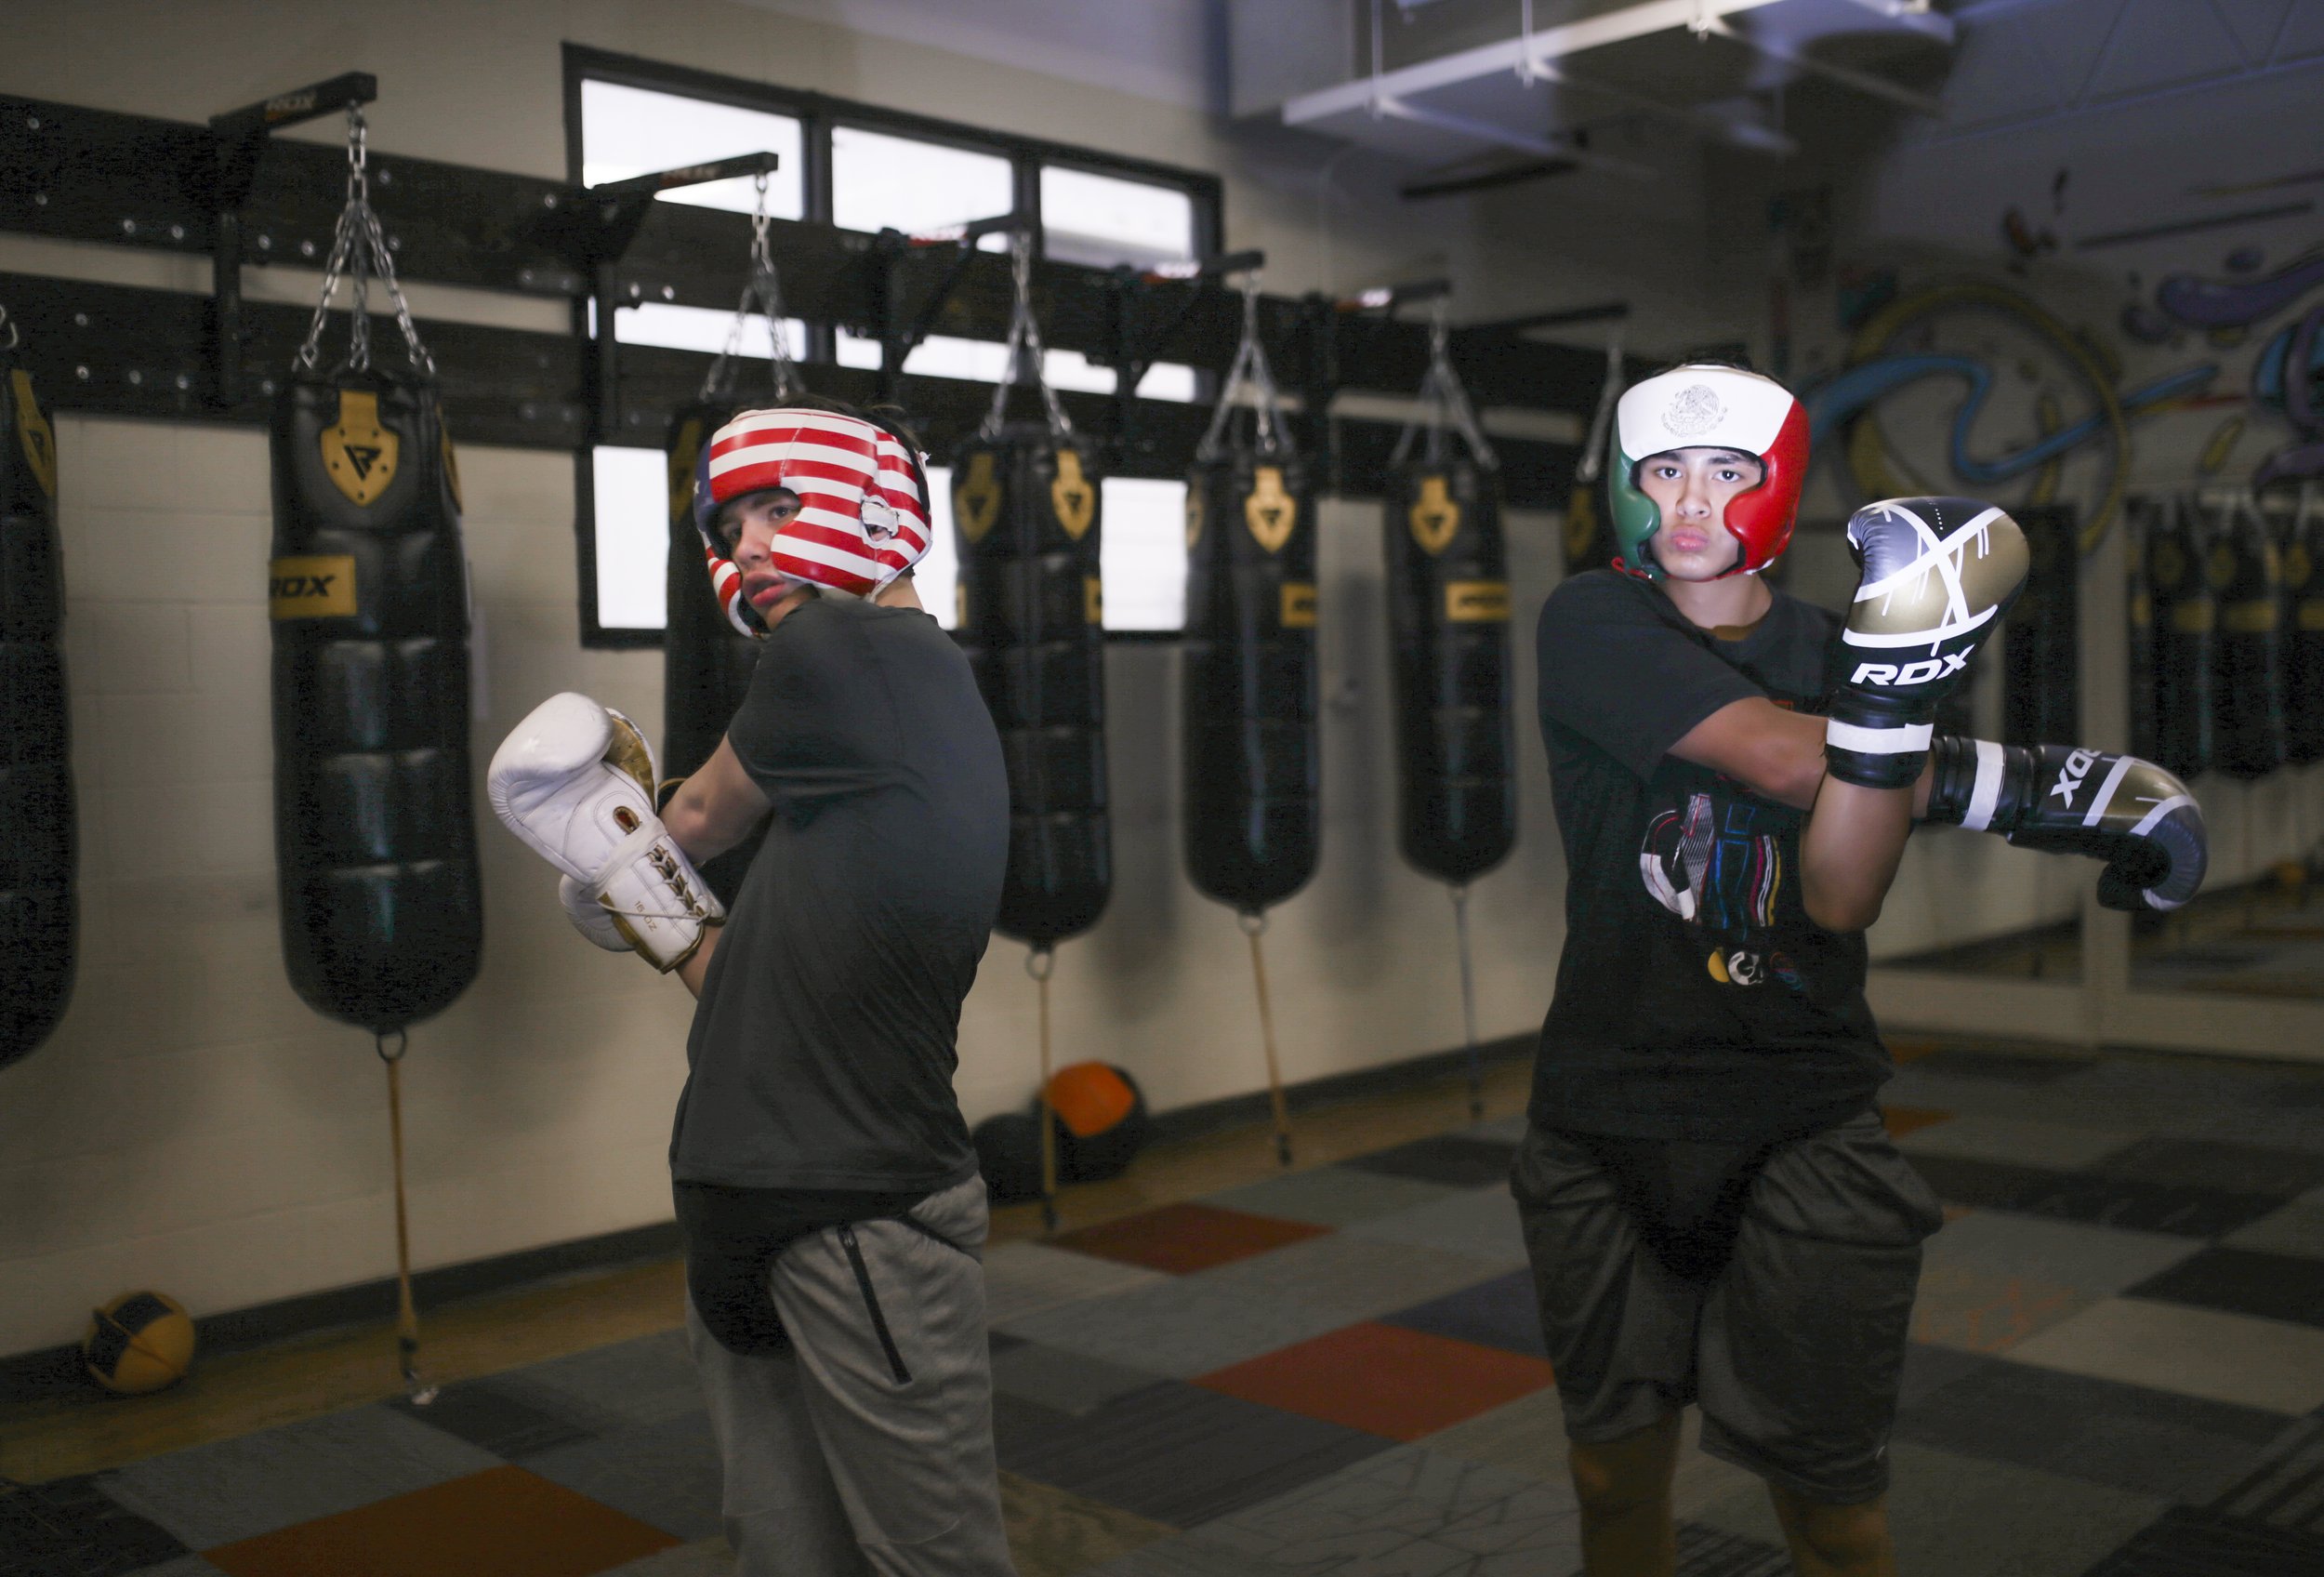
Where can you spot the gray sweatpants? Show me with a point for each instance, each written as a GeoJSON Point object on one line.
{"type": "Point", "coordinates": [866, 1450]}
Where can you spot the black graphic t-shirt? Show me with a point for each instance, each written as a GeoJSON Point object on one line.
{"type": "Point", "coordinates": [1694, 999]}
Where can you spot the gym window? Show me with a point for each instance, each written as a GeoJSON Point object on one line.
{"type": "Point", "coordinates": [864, 167]}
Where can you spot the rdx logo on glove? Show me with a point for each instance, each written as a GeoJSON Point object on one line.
{"type": "Point", "coordinates": [2070, 775]}
{"type": "Point", "coordinates": [1912, 673]}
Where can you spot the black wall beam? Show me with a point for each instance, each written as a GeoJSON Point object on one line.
{"type": "Point", "coordinates": [125, 350]}
{"type": "Point", "coordinates": [94, 175]}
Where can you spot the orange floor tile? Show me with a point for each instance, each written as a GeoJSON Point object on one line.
{"type": "Point", "coordinates": [1901, 1120]}
{"type": "Point", "coordinates": [504, 1522]}
{"type": "Point", "coordinates": [1186, 1238]}
{"type": "Point", "coordinates": [1385, 1380]}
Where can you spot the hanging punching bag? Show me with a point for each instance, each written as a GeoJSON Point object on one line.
{"type": "Point", "coordinates": [2184, 622]}
{"type": "Point", "coordinates": [1253, 815]}
{"type": "Point", "coordinates": [38, 911]}
{"type": "Point", "coordinates": [1025, 511]}
{"type": "Point", "coordinates": [1251, 752]}
{"type": "Point", "coordinates": [1448, 636]}
{"type": "Point", "coordinates": [2040, 652]}
{"type": "Point", "coordinates": [375, 839]}
{"type": "Point", "coordinates": [2246, 576]}
{"type": "Point", "coordinates": [2138, 524]}
{"type": "Point", "coordinates": [2304, 632]}
{"type": "Point", "coordinates": [707, 663]}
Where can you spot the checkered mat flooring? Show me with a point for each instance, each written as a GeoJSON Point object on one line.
{"type": "Point", "coordinates": [2118, 1371]}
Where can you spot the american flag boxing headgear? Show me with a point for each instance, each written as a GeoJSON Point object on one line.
{"type": "Point", "coordinates": [1718, 407]}
{"type": "Point", "coordinates": [863, 516]}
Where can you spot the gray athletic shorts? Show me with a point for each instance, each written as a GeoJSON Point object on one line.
{"type": "Point", "coordinates": [1793, 1350]}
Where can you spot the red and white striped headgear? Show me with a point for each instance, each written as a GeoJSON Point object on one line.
{"type": "Point", "coordinates": [861, 521]}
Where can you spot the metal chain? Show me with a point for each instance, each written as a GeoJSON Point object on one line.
{"type": "Point", "coordinates": [359, 249]}
{"type": "Point", "coordinates": [1025, 356]}
{"type": "Point", "coordinates": [1594, 447]}
{"type": "Point", "coordinates": [1249, 371]}
{"type": "Point", "coordinates": [1444, 406]}
{"type": "Point", "coordinates": [763, 291]}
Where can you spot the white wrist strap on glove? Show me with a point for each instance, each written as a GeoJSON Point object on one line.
{"type": "Point", "coordinates": [576, 781]}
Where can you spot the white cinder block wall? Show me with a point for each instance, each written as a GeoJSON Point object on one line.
{"type": "Point", "coordinates": [193, 1127]}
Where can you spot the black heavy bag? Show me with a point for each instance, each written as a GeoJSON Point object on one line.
{"type": "Point", "coordinates": [2247, 674]}
{"type": "Point", "coordinates": [375, 839]}
{"type": "Point", "coordinates": [2040, 653]}
{"type": "Point", "coordinates": [2304, 632]}
{"type": "Point", "coordinates": [2186, 618]}
{"type": "Point", "coordinates": [1025, 511]}
{"type": "Point", "coordinates": [1448, 635]}
{"type": "Point", "coordinates": [2139, 600]}
{"type": "Point", "coordinates": [1253, 815]}
{"type": "Point", "coordinates": [38, 913]}
{"type": "Point", "coordinates": [707, 663]}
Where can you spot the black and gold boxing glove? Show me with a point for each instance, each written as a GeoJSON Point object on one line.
{"type": "Point", "coordinates": [2059, 799]}
{"type": "Point", "coordinates": [1937, 577]}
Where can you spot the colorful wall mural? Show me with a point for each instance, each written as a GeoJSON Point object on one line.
{"type": "Point", "coordinates": [1970, 382]}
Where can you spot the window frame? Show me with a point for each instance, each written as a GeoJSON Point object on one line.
{"type": "Point", "coordinates": [818, 114]}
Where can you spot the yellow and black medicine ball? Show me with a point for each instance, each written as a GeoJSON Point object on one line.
{"type": "Point", "coordinates": [140, 1342]}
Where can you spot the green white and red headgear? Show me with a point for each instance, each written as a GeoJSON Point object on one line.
{"type": "Point", "coordinates": [1700, 406]}
{"type": "Point", "coordinates": [863, 515]}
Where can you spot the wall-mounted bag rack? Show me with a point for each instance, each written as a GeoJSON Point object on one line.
{"type": "Point", "coordinates": [231, 190]}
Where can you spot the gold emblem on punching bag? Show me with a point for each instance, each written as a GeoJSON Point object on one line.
{"type": "Point", "coordinates": [2222, 567]}
{"type": "Point", "coordinates": [2168, 564]}
{"type": "Point", "coordinates": [1298, 609]}
{"type": "Point", "coordinates": [1071, 494]}
{"type": "Point", "coordinates": [357, 453]}
{"type": "Point", "coordinates": [311, 585]}
{"type": "Point", "coordinates": [1272, 513]}
{"type": "Point", "coordinates": [1581, 524]}
{"type": "Point", "coordinates": [33, 432]}
{"type": "Point", "coordinates": [976, 498]}
{"type": "Point", "coordinates": [682, 455]}
{"type": "Point", "coordinates": [1434, 516]}
{"type": "Point", "coordinates": [1193, 517]}
{"type": "Point", "coordinates": [2297, 568]}
{"type": "Point", "coordinates": [1092, 600]}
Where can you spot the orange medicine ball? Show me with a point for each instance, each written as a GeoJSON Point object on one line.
{"type": "Point", "coordinates": [1089, 1097]}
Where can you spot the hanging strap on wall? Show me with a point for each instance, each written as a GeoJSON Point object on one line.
{"type": "Point", "coordinates": [1444, 407]}
{"type": "Point", "coordinates": [1468, 1001]}
{"type": "Point", "coordinates": [1594, 448]}
{"type": "Point", "coordinates": [1254, 924]}
{"type": "Point", "coordinates": [359, 249]}
{"type": "Point", "coordinates": [406, 1311]}
{"type": "Point", "coordinates": [1250, 376]}
{"type": "Point", "coordinates": [1038, 964]}
{"type": "Point", "coordinates": [1025, 357]}
{"type": "Point", "coordinates": [762, 296]}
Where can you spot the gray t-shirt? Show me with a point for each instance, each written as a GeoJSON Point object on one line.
{"type": "Point", "coordinates": [823, 1045]}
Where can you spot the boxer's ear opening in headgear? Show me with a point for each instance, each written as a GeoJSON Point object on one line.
{"type": "Point", "coordinates": [863, 519]}
{"type": "Point", "coordinates": [1706, 404]}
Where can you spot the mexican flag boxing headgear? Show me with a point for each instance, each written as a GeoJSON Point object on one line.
{"type": "Point", "coordinates": [863, 515]}
{"type": "Point", "coordinates": [1715, 407]}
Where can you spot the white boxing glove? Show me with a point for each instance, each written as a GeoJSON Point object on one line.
{"type": "Point", "coordinates": [590, 917]}
{"type": "Point", "coordinates": [575, 780]}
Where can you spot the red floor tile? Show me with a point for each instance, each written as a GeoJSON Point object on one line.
{"type": "Point", "coordinates": [1182, 1238]}
{"type": "Point", "coordinates": [1384, 1380]}
{"type": "Point", "coordinates": [1901, 1120]}
{"type": "Point", "coordinates": [503, 1522]}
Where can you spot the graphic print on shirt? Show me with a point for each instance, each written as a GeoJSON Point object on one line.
{"type": "Point", "coordinates": [1718, 864]}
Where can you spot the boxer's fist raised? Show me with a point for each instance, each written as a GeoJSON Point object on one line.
{"type": "Point", "coordinates": [2058, 798]}
{"type": "Point", "coordinates": [575, 780]}
{"type": "Point", "coordinates": [1937, 577]}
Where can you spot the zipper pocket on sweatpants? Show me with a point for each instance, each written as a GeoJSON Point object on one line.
{"type": "Point", "coordinates": [871, 1303]}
